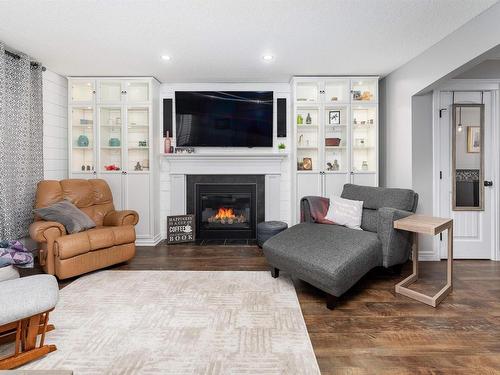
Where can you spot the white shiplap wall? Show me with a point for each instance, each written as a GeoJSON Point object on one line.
{"type": "Point", "coordinates": [55, 126]}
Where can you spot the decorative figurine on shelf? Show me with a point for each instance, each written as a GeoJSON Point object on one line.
{"type": "Point", "coordinates": [364, 165]}
{"type": "Point", "coordinates": [300, 119]}
{"type": "Point", "coordinates": [138, 167]}
{"type": "Point", "coordinates": [371, 121]}
{"type": "Point", "coordinates": [167, 144]}
{"type": "Point", "coordinates": [111, 167]}
{"type": "Point", "coordinates": [366, 96]}
{"type": "Point", "coordinates": [83, 141]}
{"type": "Point", "coordinates": [333, 167]}
{"type": "Point", "coordinates": [281, 147]}
{"type": "Point", "coordinates": [88, 167]}
{"type": "Point", "coordinates": [301, 138]}
{"type": "Point", "coordinates": [360, 142]}
{"type": "Point", "coordinates": [143, 143]}
{"type": "Point", "coordinates": [83, 167]}
{"type": "Point", "coordinates": [308, 119]}
{"type": "Point", "coordinates": [114, 142]}
{"type": "Point", "coordinates": [307, 164]}
{"type": "Point", "coordinates": [334, 99]}
{"type": "Point", "coordinates": [354, 121]}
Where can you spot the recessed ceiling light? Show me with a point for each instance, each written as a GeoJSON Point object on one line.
{"type": "Point", "coordinates": [268, 57]}
{"type": "Point", "coordinates": [165, 57]}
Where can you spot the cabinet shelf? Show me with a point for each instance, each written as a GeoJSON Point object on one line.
{"type": "Point", "coordinates": [357, 142]}
{"type": "Point", "coordinates": [301, 171]}
{"type": "Point", "coordinates": [307, 147]}
{"type": "Point", "coordinates": [117, 111]}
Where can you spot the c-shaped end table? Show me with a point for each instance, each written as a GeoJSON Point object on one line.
{"type": "Point", "coordinates": [432, 226]}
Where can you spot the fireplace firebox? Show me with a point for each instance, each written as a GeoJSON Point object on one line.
{"type": "Point", "coordinates": [226, 207]}
{"type": "Point", "coordinates": [225, 211]}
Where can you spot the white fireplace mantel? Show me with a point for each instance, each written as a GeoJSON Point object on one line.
{"type": "Point", "coordinates": [225, 163]}
{"type": "Point", "coordinates": [178, 166]}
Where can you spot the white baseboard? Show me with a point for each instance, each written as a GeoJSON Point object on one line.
{"type": "Point", "coordinates": [149, 241]}
{"type": "Point", "coordinates": [428, 257]}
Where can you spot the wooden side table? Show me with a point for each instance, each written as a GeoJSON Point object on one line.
{"type": "Point", "coordinates": [432, 226]}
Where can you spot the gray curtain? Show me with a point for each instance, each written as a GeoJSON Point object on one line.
{"type": "Point", "coordinates": [21, 142]}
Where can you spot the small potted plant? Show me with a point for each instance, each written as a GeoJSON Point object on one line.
{"type": "Point", "coordinates": [281, 147]}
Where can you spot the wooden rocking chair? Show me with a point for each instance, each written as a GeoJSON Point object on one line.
{"type": "Point", "coordinates": [24, 315]}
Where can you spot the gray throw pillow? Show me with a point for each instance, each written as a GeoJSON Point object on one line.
{"type": "Point", "coordinates": [66, 213]}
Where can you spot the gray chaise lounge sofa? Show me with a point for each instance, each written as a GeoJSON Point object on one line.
{"type": "Point", "coordinates": [332, 257]}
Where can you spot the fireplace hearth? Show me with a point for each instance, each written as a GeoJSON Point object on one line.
{"type": "Point", "coordinates": [227, 206]}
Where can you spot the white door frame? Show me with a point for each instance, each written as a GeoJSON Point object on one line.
{"type": "Point", "coordinates": [469, 85]}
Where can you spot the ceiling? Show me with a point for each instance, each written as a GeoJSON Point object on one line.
{"type": "Point", "coordinates": [224, 40]}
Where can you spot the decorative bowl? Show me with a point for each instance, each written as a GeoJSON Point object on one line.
{"type": "Point", "coordinates": [332, 141]}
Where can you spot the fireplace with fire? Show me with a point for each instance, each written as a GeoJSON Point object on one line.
{"type": "Point", "coordinates": [225, 207]}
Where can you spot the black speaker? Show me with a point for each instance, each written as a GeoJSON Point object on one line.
{"type": "Point", "coordinates": [281, 117]}
{"type": "Point", "coordinates": [167, 118]}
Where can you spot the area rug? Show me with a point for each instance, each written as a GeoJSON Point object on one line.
{"type": "Point", "coordinates": [179, 322]}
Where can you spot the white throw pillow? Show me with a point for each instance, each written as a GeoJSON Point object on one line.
{"type": "Point", "coordinates": [345, 212]}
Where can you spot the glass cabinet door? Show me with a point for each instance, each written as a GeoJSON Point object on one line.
{"type": "Point", "coordinates": [336, 139]}
{"type": "Point", "coordinates": [82, 90]}
{"type": "Point", "coordinates": [364, 90]}
{"type": "Point", "coordinates": [307, 123]}
{"type": "Point", "coordinates": [307, 92]}
{"type": "Point", "coordinates": [110, 91]}
{"type": "Point", "coordinates": [364, 138]}
{"type": "Point", "coordinates": [82, 142]}
{"type": "Point", "coordinates": [110, 135]}
{"type": "Point", "coordinates": [138, 138]}
{"type": "Point", "coordinates": [137, 91]}
{"type": "Point", "coordinates": [336, 91]}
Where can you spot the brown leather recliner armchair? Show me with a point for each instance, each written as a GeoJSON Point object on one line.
{"type": "Point", "coordinates": [67, 255]}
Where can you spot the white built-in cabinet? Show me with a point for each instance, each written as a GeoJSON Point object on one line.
{"type": "Point", "coordinates": [335, 134]}
{"type": "Point", "coordinates": [112, 132]}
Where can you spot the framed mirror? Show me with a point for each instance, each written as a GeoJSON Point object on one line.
{"type": "Point", "coordinates": [467, 157]}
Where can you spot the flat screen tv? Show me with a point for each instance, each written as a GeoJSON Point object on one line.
{"type": "Point", "coordinates": [224, 118]}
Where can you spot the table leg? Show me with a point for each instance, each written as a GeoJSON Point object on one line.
{"type": "Point", "coordinates": [414, 250]}
{"type": "Point", "coordinates": [402, 287]}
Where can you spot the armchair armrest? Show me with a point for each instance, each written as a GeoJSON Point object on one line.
{"type": "Point", "coordinates": [44, 231]}
{"type": "Point", "coordinates": [118, 218]}
{"type": "Point", "coordinates": [396, 244]}
{"type": "Point", "coordinates": [314, 209]}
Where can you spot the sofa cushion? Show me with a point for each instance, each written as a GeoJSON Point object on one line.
{"type": "Point", "coordinates": [123, 234]}
{"type": "Point", "coordinates": [72, 245]}
{"type": "Point", "coordinates": [66, 213]}
{"type": "Point", "coordinates": [100, 238]}
{"type": "Point", "coordinates": [94, 239]}
{"type": "Point", "coordinates": [375, 197]}
{"type": "Point", "coordinates": [92, 196]}
{"type": "Point", "coordinates": [331, 257]}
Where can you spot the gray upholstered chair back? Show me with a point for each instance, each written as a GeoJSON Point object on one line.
{"type": "Point", "coordinates": [376, 197]}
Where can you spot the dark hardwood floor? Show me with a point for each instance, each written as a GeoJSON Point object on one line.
{"type": "Point", "coordinates": [373, 330]}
